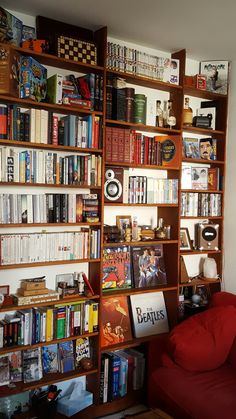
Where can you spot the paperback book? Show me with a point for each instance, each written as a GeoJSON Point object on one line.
{"type": "Point", "coordinates": [148, 266]}
{"type": "Point", "coordinates": [116, 268]}
{"type": "Point", "coordinates": [149, 314]}
{"type": "Point", "coordinates": [116, 325]}
{"type": "Point", "coordinates": [50, 358]}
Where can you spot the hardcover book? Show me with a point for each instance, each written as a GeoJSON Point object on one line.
{"type": "Point", "coordinates": [149, 314]}
{"type": "Point", "coordinates": [148, 266]}
{"type": "Point", "coordinates": [217, 75]}
{"type": "Point", "coordinates": [116, 268]}
{"type": "Point", "coordinates": [116, 325]}
{"type": "Point", "coordinates": [50, 358]}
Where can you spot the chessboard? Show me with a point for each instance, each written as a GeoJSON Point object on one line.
{"type": "Point", "coordinates": [77, 50]}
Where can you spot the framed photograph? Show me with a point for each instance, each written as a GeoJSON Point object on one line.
{"type": "Point", "coordinates": [122, 222]}
{"type": "Point", "coordinates": [185, 242]}
{"type": "Point", "coordinates": [199, 177]}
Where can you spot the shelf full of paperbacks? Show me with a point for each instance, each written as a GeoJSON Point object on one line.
{"type": "Point", "coordinates": [50, 247]}
{"type": "Point", "coordinates": [42, 126]}
{"type": "Point", "coordinates": [45, 167]}
{"type": "Point", "coordinates": [48, 208]}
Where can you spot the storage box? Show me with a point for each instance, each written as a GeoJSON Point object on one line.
{"type": "Point", "coordinates": [9, 68]}
{"type": "Point", "coordinates": [33, 79]}
{"type": "Point", "coordinates": [68, 406]}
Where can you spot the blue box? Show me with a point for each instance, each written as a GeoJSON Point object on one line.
{"type": "Point", "coordinates": [33, 79]}
{"type": "Point", "coordinates": [68, 407]}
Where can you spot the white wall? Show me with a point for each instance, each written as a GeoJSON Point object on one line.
{"type": "Point", "coordinates": [230, 192]}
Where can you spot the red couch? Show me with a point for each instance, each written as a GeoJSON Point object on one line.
{"type": "Point", "coordinates": [193, 369]}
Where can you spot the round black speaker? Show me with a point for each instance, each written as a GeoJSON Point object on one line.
{"type": "Point", "coordinates": [112, 189]}
{"type": "Point", "coordinates": [209, 233]}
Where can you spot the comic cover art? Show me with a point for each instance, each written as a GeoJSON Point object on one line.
{"type": "Point", "coordinates": [116, 327]}
{"type": "Point", "coordinates": [116, 268]}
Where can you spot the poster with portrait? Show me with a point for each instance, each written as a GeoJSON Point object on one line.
{"type": "Point", "coordinates": [148, 266]}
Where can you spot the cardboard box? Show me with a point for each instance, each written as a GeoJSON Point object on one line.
{"type": "Point", "coordinates": [9, 68]}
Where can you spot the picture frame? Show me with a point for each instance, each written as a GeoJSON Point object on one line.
{"type": "Point", "coordinates": [122, 221]}
{"type": "Point", "coordinates": [185, 242]}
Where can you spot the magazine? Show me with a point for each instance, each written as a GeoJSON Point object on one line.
{"type": "Point", "coordinates": [15, 359]}
{"type": "Point", "coordinates": [32, 365]}
{"type": "Point", "coordinates": [116, 268]}
{"type": "Point", "coordinates": [149, 314]}
{"type": "Point", "coordinates": [217, 75]}
{"type": "Point", "coordinates": [50, 358]}
{"type": "Point", "coordinates": [116, 327]}
{"type": "Point", "coordinates": [148, 266]}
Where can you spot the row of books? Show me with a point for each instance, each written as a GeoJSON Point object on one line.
{"type": "Point", "coordinates": [148, 190]}
{"type": "Point", "coordinates": [35, 325]}
{"type": "Point", "coordinates": [137, 266]}
{"type": "Point", "coordinates": [121, 371]}
{"type": "Point", "coordinates": [49, 247]}
{"type": "Point", "coordinates": [129, 146]}
{"type": "Point", "coordinates": [48, 208]}
{"type": "Point", "coordinates": [32, 364]}
{"type": "Point", "coordinates": [71, 90]}
{"type": "Point", "coordinates": [200, 204]}
{"type": "Point", "coordinates": [201, 177]}
{"type": "Point", "coordinates": [130, 60]}
{"type": "Point", "coordinates": [45, 127]}
{"type": "Point", "coordinates": [40, 166]}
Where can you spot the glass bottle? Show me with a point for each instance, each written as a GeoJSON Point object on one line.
{"type": "Point", "coordinates": [187, 113]}
{"type": "Point", "coordinates": [165, 113]}
{"type": "Point", "coordinates": [159, 114]}
{"type": "Point", "coordinates": [171, 119]}
{"type": "Point", "coordinates": [160, 231]}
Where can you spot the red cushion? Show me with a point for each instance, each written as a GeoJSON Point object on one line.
{"type": "Point", "coordinates": [203, 341]}
{"type": "Point", "coordinates": [223, 298]}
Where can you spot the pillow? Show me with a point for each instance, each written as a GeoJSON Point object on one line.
{"type": "Point", "coordinates": [203, 341]}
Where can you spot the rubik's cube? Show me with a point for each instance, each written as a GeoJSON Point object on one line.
{"type": "Point", "coordinates": [76, 50]}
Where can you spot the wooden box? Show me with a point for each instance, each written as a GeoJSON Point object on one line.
{"type": "Point", "coordinates": [9, 70]}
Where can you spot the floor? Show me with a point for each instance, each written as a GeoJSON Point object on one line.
{"type": "Point", "coordinates": [132, 410]}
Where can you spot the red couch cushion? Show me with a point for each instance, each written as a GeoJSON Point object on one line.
{"type": "Point", "coordinates": [223, 298]}
{"type": "Point", "coordinates": [190, 395]}
{"type": "Point", "coordinates": [203, 342]}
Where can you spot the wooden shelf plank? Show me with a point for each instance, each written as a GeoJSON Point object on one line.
{"type": "Point", "coordinates": [54, 61]}
{"type": "Point", "coordinates": [64, 109]}
{"type": "Point", "coordinates": [203, 131]}
{"type": "Point", "coordinates": [56, 262]}
{"type": "Point", "coordinates": [141, 243]}
{"type": "Point", "coordinates": [47, 185]}
{"type": "Point", "coordinates": [67, 300]}
{"type": "Point", "coordinates": [27, 144]}
{"type": "Point", "coordinates": [204, 94]}
{"type": "Point", "coordinates": [146, 81]}
{"type": "Point", "coordinates": [142, 166]}
{"type": "Point", "coordinates": [142, 127]}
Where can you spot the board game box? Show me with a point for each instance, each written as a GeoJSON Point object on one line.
{"type": "Point", "coordinates": [33, 79]}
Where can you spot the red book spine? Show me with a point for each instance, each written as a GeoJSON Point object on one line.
{"type": "Point", "coordinates": [115, 145]}
{"type": "Point", "coordinates": [55, 130]}
{"type": "Point", "coordinates": [108, 141]}
{"type": "Point", "coordinates": [121, 145]}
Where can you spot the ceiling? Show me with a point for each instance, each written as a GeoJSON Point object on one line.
{"type": "Point", "coordinates": [206, 28]}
